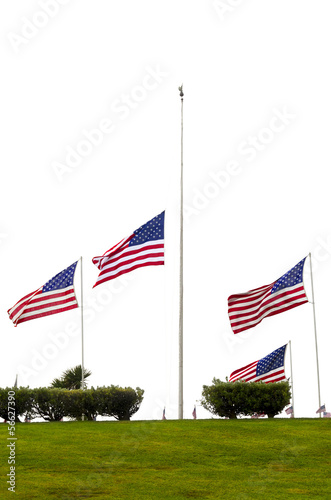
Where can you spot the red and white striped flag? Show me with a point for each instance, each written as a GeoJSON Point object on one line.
{"type": "Point", "coordinates": [248, 309]}
{"type": "Point", "coordinates": [144, 247]}
{"type": "Point", "coordinates": [57, 295]}
{"type": "Point", "coordinates": [268, 369]}
{"type": "Point", "coordinates": [289, 410]}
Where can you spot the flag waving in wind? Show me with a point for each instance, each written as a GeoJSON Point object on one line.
{"type": "Point", "coordinates": [57, 295]}
{"type": "Point", "coordinates": [248, 309]}
{"type": "Point", "coordinates": [268, 369]}
{"type": "Point", "coordinates": [289, 410]}
{"type": "Point", "coordinates": [144, 247]}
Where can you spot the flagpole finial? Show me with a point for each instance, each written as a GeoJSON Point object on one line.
{"type": "Point", "coordinates": [181, 93]}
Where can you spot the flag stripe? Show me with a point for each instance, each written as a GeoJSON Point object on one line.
{"type": "Point", "coordinates": [297, 291]}
{"type": "Point", "coordinates": [252, 295]}
{"type": "Point", "coordinates": [268, 369]}
{"type": "Point", "coordinates": [270, 309]}
{"type": "Point", "coordinates": [49, 311]}
{"type": "Point", "coordinates": [130, 256]}
{"type": "Point", "coordinates": [100, 261]}
{"type": "Point", "coordinates": [128, 264]}
{"type": "Point", "coordinates": [272, 376]}
{"type": "Point", "coordinates": [245, 370]}
{"type": "Point", "coordinates": [25, 299]}
{"type": "Point", "coordinates": [55, 302]}
{"type": "Point", "coordinates": [271, 312]}
{"type": "Point", "coordinates": [124, 270]}
{"type": "Point", "coordinates": [41, 305]}
{"type": "Point", "coordinates": [246, 310]}
{"type": "Point", "coordinates": [57, 295]}
{"type": "Point", "coordinates": [145, 247]}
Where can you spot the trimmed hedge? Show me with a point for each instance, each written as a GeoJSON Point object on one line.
{"type": "Point", "coordinates": [23, 402]}
{"type": "Point", "coordinates": [232, 399]}
{"type": "Point", "coordinates": [54, 404]}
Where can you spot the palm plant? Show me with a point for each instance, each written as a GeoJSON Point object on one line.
{"type": "Point", "coordinates": [71, 379]}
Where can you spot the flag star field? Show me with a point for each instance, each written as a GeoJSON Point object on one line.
{"type": "Point", "coordinates": [271, 362]}
{"type": "Point", "coordinates": [291, 278]}
{"type": "Point", "coordinates": [62, 280]}
{"type": "Point", "coordinates": [151, 231]}
{"type": "Point", "coordinates": [267, 369]}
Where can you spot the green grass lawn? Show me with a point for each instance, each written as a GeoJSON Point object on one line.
{"type": "Point", "coordinates": [187, 459]}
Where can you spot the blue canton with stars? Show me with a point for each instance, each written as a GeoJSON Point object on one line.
{"type": "Point", "coordinates": [271, 362]}
{"type": "Point", "coordinates": [62, 280]}
{"type": "Point", "coordinates": [291, 278]}
{"type": "Point", "coordinates": [151, 231]}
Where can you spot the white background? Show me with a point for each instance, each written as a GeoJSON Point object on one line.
{"type": "Point", "coordinates": [66, 68]}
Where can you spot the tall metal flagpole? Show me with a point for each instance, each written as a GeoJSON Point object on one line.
{"type": "Point", "coordinates": [318, 376]}
{"type": "Point", "coordinates": [289, 343]}
{"type": "Point", "coordinates": [180, 388]}
{"type": "Point", "coordinates": [81, 316]}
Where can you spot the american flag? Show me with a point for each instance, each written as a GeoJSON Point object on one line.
{"type": "Point", "coordinates": [248, 309]}
{"type": "Point", "coordinates": [57, 295]}
{"type": "Point", "coordinates": [289, 410]}
{"type": "Point", "coordinates": [268, 369]}
{"type": "Point", "coordinates": [144, 247]}
{"type": "Point", "coordinates": [326, 414]}
{"type": "Point", "coordinates": [163, 415]}
{"type": "Point", "coordinates": [321, 408]}
{"type": "Point", "coordinates": [194, 413]}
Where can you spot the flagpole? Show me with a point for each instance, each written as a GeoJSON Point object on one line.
{"type": "Point", "coordinates": [180, 389]}
{"type": "Point", "coordinates": [81, 316]}
{"type": "Point", "coordinates": [289, 342]}
{"type": "Point", "coordinates": [317, 365]}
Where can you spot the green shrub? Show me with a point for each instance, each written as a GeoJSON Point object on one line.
{"type": "Point", "coordinates": [232, 399]}
{"type": "Point", "coordinates": [23, 402]}
{"type": "Point", "coordinates": [119, 402]}
{"type": "Point", "coordinates": [52, 404]}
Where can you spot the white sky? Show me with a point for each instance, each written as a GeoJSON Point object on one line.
{"type": "Point", "coordinates": [256, 116]}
